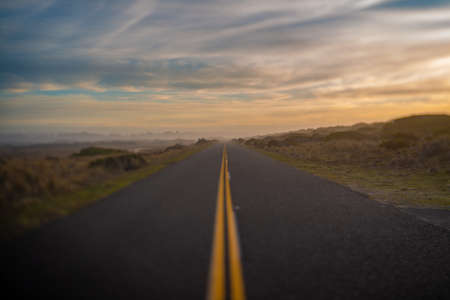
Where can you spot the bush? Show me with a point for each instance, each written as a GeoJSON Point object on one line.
{"type": "Point", "coordinates": [439, 147]}
{"type": "Point", "coordinates": [399, 141]}
{"type": "Point", "coordinates": [395, 144]}
{"type": "Point", "coordinates": [253, 142]}
{"type": "Point", "coordinates": [22, 178]}
{"type": "Point", "coordinates": [201, 141]}
{"type": "Point", "coordinates": [174, 147]}
{"type": "Point", "coordinates": [422, 125]}
{"type": "Point", "coordinates": [93, 151]}
{"type": "Point", "coordinates": [274, 143]}
{"type": "Point", "coordinates": [346, 135]}
{"type": "Point", "coordinates": [295, 139]}
{"type": "Point", "coordinates": [442, 132]}
{"type": "Point", "coordinates": [123, 162]}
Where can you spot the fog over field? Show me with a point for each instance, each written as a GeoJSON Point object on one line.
{"type": "Point", "coordinates": [29, 138]}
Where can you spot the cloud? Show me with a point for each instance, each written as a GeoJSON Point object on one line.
{"type": "Point", "coordinates": [412, 4]}
{"type": "Point", "coordinates": [212, 55]}
{"type": "Point", "coordinates": [230, 118]}
{"type": "Point", "coordinates": [85, 40]}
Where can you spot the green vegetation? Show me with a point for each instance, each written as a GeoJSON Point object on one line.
{"type": "Point", "coordinates": [421, 125]}
{"type": "Point", "coordinates": [34, 191]}
{"type": "Point", "coordinates": [398, 141]}
{"type": "Point", "coordinates": [175, 147]}
{"type": "Point", "coordinates": [93, 151]}
{"type": "Point", "coordinates": [125, 162]}
{"type": "Point", "coordinates": [346, 135]}
{"type": "Point", "coordinates": [397, 162]}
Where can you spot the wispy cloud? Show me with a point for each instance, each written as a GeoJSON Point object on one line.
{"type": "Point", "coordinates": [273, 57]}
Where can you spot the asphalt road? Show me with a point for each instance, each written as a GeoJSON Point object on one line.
{"type": "Point", "coordinates": [301, 237]}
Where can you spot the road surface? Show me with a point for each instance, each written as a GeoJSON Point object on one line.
{"type": "Point", "coordinates": [297, 237]}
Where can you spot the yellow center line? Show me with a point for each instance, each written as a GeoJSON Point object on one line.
{"type": "Point", "coordinates": [234, 251]}
{"type": "Point", "coordinates": [216, 285]}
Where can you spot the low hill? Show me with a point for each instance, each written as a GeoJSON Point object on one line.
{"type": "Point", "coordinates": [411, 128]}
{"type": "Point", "coordinates": [406, 160]}
{"type": "Point", "coordinates": [420, 125]}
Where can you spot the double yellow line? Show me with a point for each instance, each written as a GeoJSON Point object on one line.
{"type": "Point", "coordinates": [225, 222]}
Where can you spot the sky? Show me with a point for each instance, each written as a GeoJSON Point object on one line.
{"type": "Point", "coordinates": [219, 67]}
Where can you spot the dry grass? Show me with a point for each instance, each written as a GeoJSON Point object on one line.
{"type": "Point", "coordinates": [23, 179]}
{"type": "Point", "coordinates": [34, 190]}
{"type": "Point", "coordinates": [399, 161]}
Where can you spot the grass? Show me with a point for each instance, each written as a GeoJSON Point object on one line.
{"type": "Point", "coordinates": [34, 210]}
{"type": "Point", "coordinates": [92, 151]}
{"type": "Point", "coordinates": [126, 162]}
{"type": "Point", "coordinates": [403, 162]}
{"type": "Point", "coordinates": [393, 186]}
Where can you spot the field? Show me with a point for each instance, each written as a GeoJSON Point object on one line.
{"type": "Point", "coordinates": [405, 162]}
{"type": "Point", "coordinates": [36, 188]}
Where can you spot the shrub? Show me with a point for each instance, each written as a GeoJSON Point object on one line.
{"type": "Point", "coordinates": [123, 162]}
{"type": "Point", "coordinates": [295, 139]}
{"type": "Point", "coordinates": [201, 141]}
{"type": "Point", "coordinates": [422, 125]}
{"type": "Point", "coordinates": [399, 141]}
{"type": "Point", "coordinates": [274, 143]}
{"type": "Point", "coordinates": [174, 147]}
{"type": "Point", "coordinates": [93, 151]}
{"type": "Point", "coordinates": [23, 178]}
{"type": "Point", "coordinates": [439, 147]}
{"type": "Point", "coordinates": [346, 135]}
{"type": "Point", "coordinates": [442, 132]}
{"type": "Point", "coordinates": [395, 144]}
